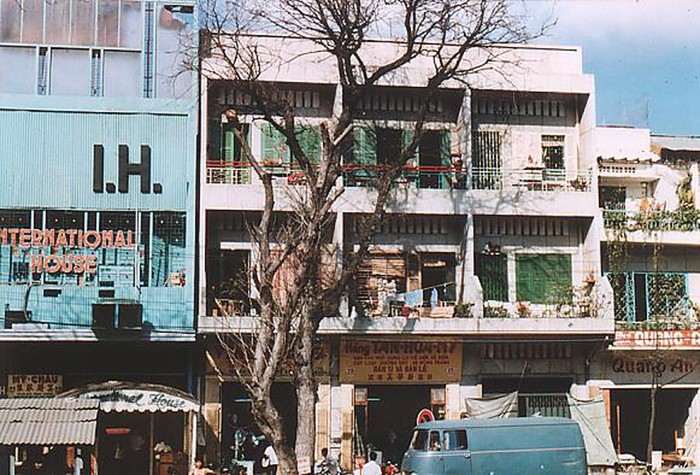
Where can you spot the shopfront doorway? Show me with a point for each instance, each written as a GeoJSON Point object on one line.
{"type": "Point", "coordinates": [630, 410]}
{"type": "Point", "coordinates": [142, 428]}
{"type": "Point", "coordinates": [385, 416]}
{"type": "Point", "coordinates": [239, 433]}
{"type": "Point", "coordinates": [127, 442]}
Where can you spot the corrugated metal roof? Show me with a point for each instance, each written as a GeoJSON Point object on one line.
{"type": "Point", "coordinates": [47, 421]}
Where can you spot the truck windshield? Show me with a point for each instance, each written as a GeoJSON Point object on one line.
{"type": "Point", "coordinates": [419, 440]}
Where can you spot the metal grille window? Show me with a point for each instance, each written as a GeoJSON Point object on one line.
{"type": "Point", "coordinates": [486, 160]}
{"type": "Point", "coordinates": [96, 73]}
{"type": "Point", "coordinates": [168, 260]}
{"type": "Point", "coordinates": [543, 278]}
{"type": "Point", "coordinates": [149, 51]}
{"type": "Point", "coordinates": [640, 296]}
{"type": "Point", "coordinates": [492, 270]}
{"type": "Point", "coordinates": [553, 152]}
{"type": "Point", "coordinates": [42, 80]}
{"type": "Point", "coordinates": [544, 404]}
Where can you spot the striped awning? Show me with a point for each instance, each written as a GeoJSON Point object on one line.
{"type": "Point", "coordinates": [48, 421]}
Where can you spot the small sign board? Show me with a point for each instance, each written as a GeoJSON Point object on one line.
{"type": "Point", "coordinates": [34, 385]}
{"type": "Point", "coordinates": [304, 465]}
{"type": "Point", "coordinates": [425, 415]}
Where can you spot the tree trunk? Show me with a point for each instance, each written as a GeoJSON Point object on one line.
{"type": "Point", "coordinates": [271, 424]}
{"type": "Point", "coordinates": [306, 387]}
{"type": "Point", "coordinates": [306, 415]}
{"type": "Point", "coordinates": [287, 460]}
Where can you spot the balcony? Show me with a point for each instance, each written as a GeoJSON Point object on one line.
{"type": "Point", "coordinates": [589, 317]}
{"type": "Point", "coordinates": [680, 227]}
{"type": "Point", "coordinates": [420, 189]}
{"type": "Point", "coordinates": [420, 177]}
{"type": "Point", "coordinates": [530, 179]}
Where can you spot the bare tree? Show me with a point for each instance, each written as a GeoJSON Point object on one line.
{"type": "Point", "coordinates": [440, 43]}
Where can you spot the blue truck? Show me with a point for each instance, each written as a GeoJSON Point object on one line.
{"type": "Point", "coordinates": [516, 446]}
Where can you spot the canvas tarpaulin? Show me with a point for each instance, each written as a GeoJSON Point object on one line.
{"type": "Point", "coordinates": [590, 415]}
{"type": "Point", "coordinates": [498, 406]}
{"type": "Point", "coordinates": [691, 439]}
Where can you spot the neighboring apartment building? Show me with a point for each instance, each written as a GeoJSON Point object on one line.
{"type": "Point", "coordinates": [648, 187]}
{"type": "Point", "coordinates": [498, 210]}
{"type": "Point", "coordinates": [97, 145]}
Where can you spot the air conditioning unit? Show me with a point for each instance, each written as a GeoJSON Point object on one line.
{"type": "Point", "coordinates": [103, 316]}
{"type": "Point", "coordinates": [15, 317]}
{"type": "Point", "coordinates": [117, 314]}
{"type": "Point", "coordinates": [130, 315]}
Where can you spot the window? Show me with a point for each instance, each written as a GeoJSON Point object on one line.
{"type": "Point", "coordinates": [486, 160]}
{"type": "Point", "coordinates": [274, 144]}
{"type": "Point", "coordinates": [553, 156]}
{"type": "Point", "coordinates": [389, 145]}
{"type": "Point", "coordinates": [492, 270]}
{"type": "Point", "coordinates": [230, 147]}
{"type": "Point", "coordinates": [434, 441]}
{"type": "Point", "coordinates": [613, 197]}
{"type": "Point", "coordinates": [149, 51]}
{"type": "Point", "coordinates": [543, 278]}
{"type": "Point", "coordinates": [640, 296]}
{"type": "Point", "coordinates": [454, 439]}
{"type": "Point", "coordinates": [275, 150]}
{"type": "Point", "coordinates": [96, 73]}
{"type": "Point", "coordinates": [43, 72]}
{"type": "Point", "coordinates": [420, 438]}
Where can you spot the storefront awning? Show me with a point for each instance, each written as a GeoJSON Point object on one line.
{"type": "Point", "coordinates": [119, 396]}
{"type": "Point", "coordinates": [48, 421]}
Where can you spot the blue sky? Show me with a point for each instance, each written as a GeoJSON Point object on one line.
{"type": "Point", "coordinates": [645, 55]}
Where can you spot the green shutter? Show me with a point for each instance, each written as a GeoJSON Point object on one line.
{"type": "Point", "coordinates": [493, 273]}
{"type": "Point", "coordinates": [408, 135]}
{"type": "Point", "coordinates": [445, 148]}
{"type": "Point", "coordinates": [309, 139]}
{"type": "Point", "coordinates": [228, 143]}
{"type": "Point", "coordinates": [364, 145]}
{"type": "Point", "coordinates": [445, 157]}
{"type": "Point", "coordinates": [543, 278]}
{"type": "Point", "coordinates": [274, 145]}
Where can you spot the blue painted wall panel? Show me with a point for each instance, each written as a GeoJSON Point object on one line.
{"type": "Point", "coordinates": [46, 161]}
{"type": "Point", "coordinates": [49, 156]}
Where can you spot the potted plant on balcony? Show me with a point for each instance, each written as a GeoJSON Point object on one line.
{"type": "Point", "coordinates": [463, 310]}
{"type": "Point", "coordinates": [579, 183]}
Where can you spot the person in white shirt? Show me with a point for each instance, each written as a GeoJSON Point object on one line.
{"type": "Point", "coordinates": [269, 460]}
{"type": "Point", "coordinates": [372, 467]}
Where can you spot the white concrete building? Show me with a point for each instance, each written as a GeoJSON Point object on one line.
{"type": "Point", "coordinates": [513, 231]}
{"type": "Point", "coordinates": [651, 255]}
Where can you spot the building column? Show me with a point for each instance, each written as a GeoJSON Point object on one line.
{"type": "Point", "coordinates": [323, 409]}
{"type": "Point", "coordinates": [347, 417]}
{"type": "Point", "coordinates": [212, 418]}
{"type": "Point", "coordinates": [453, 407]}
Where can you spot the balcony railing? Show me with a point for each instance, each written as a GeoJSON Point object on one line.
{"type": "Point", "coordinates": [423, 177]}
{"type": "Point", "coordinates": [228, 173]}
{"type": "Point", "coordinates": [630, 220]}
{"type": "Point", "coordinates": [530, 179]}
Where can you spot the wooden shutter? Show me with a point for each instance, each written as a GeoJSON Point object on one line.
{"type": "Point", "coordinates": [310, 142]}
{"type": "Point", "coordinates": [274, 145]}
{"type": "Point", "coordinates": [408, 135]}
{"type": "Point", "coordinates": [364, 145]}
{"type": "Point", "coordinates": [539, 278]}
{"type": "Point", "coordinates": [493, 272]}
